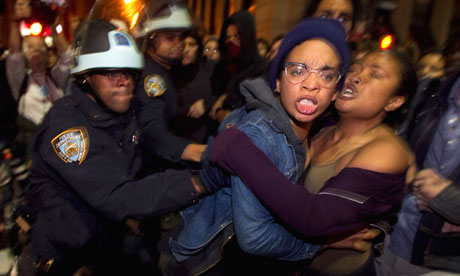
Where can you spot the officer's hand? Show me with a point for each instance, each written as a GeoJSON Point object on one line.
{"type": "Point", "coordinates": [193, 152]}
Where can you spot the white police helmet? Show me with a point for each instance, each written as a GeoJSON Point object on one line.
{"type": "Point", "coordinates": [99, 45]}
{"type": "Point", "coordinates": [164, 15]}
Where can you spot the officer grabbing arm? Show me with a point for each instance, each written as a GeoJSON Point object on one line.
{"type": "Point", "coordinates": [156, 97]}
{"type": "Point", "coordinates": [86, 159]}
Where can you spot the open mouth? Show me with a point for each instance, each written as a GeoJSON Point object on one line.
{"type": "Point", "coordinates": [348, 92]}
{"type": "Point", "coordinates": [307, 105]}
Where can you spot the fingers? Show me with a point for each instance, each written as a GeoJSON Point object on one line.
{"type": "Point", "coordinates": [372, 234]}
{"type": "Point", "coordinates": [427, 177]}
{"type": "Point", "coordinates": [362, 245]}
{"type": "Point", "coordinates": [196, 111]}
{"type": "Point", "coordinates": [425, 174]}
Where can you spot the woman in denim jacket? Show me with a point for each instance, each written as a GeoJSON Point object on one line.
{"type": "Point", "coordinates": [208, 225]}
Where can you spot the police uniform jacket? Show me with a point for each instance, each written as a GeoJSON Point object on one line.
{"type": "Point", "coordinates": [156, 106]}
{"type": "Point", "coordinates": [84, 177]}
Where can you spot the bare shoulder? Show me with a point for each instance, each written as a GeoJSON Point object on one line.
{"type": "Point", "coordinates": [386, 153]}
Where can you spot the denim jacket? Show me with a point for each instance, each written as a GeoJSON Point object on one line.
{"type": "Point", "coordinates": [264, 120]}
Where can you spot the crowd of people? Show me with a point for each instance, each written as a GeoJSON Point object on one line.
{"type": "Point", "coordinates": [160, 149]}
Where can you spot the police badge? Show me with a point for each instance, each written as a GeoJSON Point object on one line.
{"type": "Point", "coordinates": [154, 85]}
{"type": "Point", "coordinates": [72, 145]}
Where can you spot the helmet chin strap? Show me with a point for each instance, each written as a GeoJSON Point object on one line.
{"type": "Point", "coordinates": [164, 61]}
{"type": "Point", "coordinates": [169, 61]}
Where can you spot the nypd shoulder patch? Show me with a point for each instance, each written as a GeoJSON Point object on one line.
{"type": "Point", "coordinates": [72, 145]}
{"type": "Point", "coordinates": [154, 85]}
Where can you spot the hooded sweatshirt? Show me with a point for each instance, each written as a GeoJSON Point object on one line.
{"type": "Point", "coordinates": [229, 73]}
{"type": "Point", "coordinates": [258, 95]}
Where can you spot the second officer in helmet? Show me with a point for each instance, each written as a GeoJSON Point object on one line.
{"type": "Point", "coordinates": [156, 96]}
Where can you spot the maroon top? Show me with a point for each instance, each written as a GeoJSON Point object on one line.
{"type": "Point", "coordinates": [347, 202]}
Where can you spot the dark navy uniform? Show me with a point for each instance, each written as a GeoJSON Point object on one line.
{"type": "Point", "coordinates": [84, 179]}
{"type": "Point", "coordinates": [156, 105]}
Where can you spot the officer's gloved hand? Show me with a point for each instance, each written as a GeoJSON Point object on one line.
{"type": "Point", "coordinates": [212, 177]}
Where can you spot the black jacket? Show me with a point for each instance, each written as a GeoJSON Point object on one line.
{"type": "Point", "coordinates": [427, 116]}
{"type": "Point", "coordinates": [193, 83]}
{"type": "Point", "coordinates": [156, 106]}
{"type": "Point", "coordinates": [247, 66]}
{"type": "Point", "coordinates": [84, 178]}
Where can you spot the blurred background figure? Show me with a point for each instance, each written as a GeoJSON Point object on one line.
{"type": "Point", "coordinates": [431, 71]}
{"type": "Point", "coordinates": [240, 61]}
{"type": "Point", "coordinates": [345, 11]}
{"type": "Point", "coordinates": [192, 79]}
{"type": "Point", "coordinates": [262, 47]}
{"type": "Point", "coordinates": [156, 97]}
{"type": "Point", "coordinates": [211, 48]}
{"type": "Point", "coordinates": [431, 64]}
{"type": "Point", "coordinates": [34, 84]}
{"type": "Point", "coordinates": [274, 47]}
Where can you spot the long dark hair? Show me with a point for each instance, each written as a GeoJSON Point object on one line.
{"type": "Point", "coordinates": [406, 88]}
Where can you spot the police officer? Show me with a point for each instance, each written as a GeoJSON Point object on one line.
{"type": "Point", "coordinates": [156, 96]}
{"type": "Point", "coordinates": [84, 178]}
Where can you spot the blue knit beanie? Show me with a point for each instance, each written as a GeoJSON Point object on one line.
{"type": "Point", "coordinates": [328, 29]}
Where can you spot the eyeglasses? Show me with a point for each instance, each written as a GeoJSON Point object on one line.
{"type": "Point", "coordinates": [116, 75]}
{"type": "Point", "coordinates": [298, 72]}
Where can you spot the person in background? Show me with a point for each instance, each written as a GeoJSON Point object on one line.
{"type": "Point", "coordinates": [344, 11]}
{"type": "Point", "coordinates": [85, 181]}
{"type": "Point", "coordinates": [239, 61]}
{"type": "Point", "coordinates": [211, 48]}
{"type": "Point", "coordinates": [274, 47]}
{"type": "Point", "coordinates": [192, 79]}
{"type": "Point", "coordinates": [431, 64]}
{"type": "Point", "coordinates": [34, 85]}
{"type": "Point", "coordinates": [262, 47]}
{"type": "Point", "coordinates": [430, 72]}
{"type": "Point", "coordinates": [155, 101]}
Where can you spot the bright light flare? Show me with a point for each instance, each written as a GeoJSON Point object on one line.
{"type": "Point", "coordinates": [59, 28]}
{"type": "Point", "coordinates": [36, 28]}
{"type": "Point", "coordinates": [134, 20]}
{"type": "Point", "coordinates": [386, 42]}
